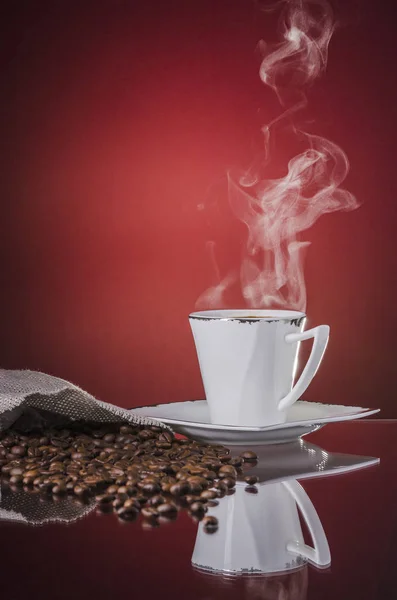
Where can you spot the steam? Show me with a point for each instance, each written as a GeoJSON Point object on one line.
{"type": "Point", "coordinates": [306, 27]}
{"type": "Point", "coordinates": [277, 211]}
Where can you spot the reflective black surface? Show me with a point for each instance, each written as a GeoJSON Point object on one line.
{"type": "Point", "coordinates": [349, 499]}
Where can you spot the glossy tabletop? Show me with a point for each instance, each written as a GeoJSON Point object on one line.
{"type": "Point", "coordinates": [346, 497]}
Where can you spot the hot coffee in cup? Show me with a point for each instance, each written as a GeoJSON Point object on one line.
{"type": "Point", "coordinates": [248, 360]}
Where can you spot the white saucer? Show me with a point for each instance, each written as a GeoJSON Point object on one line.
{"type": "Point", "coordinates": [191, 418]}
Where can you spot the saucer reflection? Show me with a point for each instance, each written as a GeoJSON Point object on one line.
{"type": "Point", "coordinates": [261, 533]}
{"type": "Point", "coordinates": [300, 460]}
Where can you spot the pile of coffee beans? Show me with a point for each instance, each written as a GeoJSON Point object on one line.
{"type": "Point", "coordinates": [130, 470]}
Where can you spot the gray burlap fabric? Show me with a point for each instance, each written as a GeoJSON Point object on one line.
{"type": "Point", "coordinates": [34, 399]}
{"type": "Point", "coordinates": [29, 395]}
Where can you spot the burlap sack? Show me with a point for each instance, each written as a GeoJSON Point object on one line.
{"type": "Point", "coordinates": [31, 399]}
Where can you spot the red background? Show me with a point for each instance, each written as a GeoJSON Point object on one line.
{"type": "Point", "coordinates": [120, 119]}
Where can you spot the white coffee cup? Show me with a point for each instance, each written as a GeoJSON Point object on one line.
{"type": "Point", "coordinates": [248, 360]}
{"type": "Point", "coordinates": [262, 533]}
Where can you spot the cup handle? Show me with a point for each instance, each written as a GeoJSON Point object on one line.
{"type": "Point", "coordinates": [320, 554]}
{"type": "Point", "coordinates": [320, 335]}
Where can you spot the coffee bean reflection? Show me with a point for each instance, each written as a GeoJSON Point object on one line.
{"type": "Point", "coordinates": [126, 469]}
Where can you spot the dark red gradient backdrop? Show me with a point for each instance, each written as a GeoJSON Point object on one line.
{"type": "Point", "coordinates": [121, 117]}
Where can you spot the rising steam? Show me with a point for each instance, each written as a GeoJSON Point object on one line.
{"type": "Point", "coordinates": [276, 211]}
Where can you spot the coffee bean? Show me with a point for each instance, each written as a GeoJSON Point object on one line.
{"type": "Point", "coordinates": [197, 508]}
{"type": "Point", "coordinates": [60, 488]}
{"type": "Point", "coordinates": [105, 498]}
{"type": "Point", "coordinates": [115, 472]}
{"type": "Point", "coordinates": [126, 429]}
{"type": "Point", "coordinates": [156, 500]}
{"type": "Point", "coordinates": [209, 475]}
{"type": "Point", "coordinates": [189, 499]}
{"type": "Point", "coordinates": [8, 441]}
{"type": "Point", "coordinates": [210, 524]}
{"type": "Point", "coordinates": [81, 490]}
{"type": "Point", "coordinates": [151, 488]}
{"type": "Point", "coordinates": [227, 471]}
{"type": "Point", "coordinates": [224, 458]}
{"type": "Point", "coordinates": [167, 508]}
{"type": "Point", "coordinates": [16, 471]}
{"type": "Point", "coordinates": [195, 488]}
{"type": "Point", "coordinates": [119, 502]}
{"type": "Point", "coordinates": [99, 443]}
{"type": "Point", "coordinates": [196, 480]}
{"type": "Point", "coordinates": [128, 513]}
{"type": "Point", "coordinates": [166, 436]}
{"type": "Point", "coordinates": [59, 443]}
{"type": "Point", "coordinates": [208, 494]}
{"type": "Point", "coordinates": [197, 470]}
{"type": "Point", "coordinates": [92, 480]}
{"type": "Point", "coordinates": [146, 478]}
{"type": "Point", "coordinates": [163, 445]}
{"type": "Point", "coordinates": [142, 499]}
{"type": "Point", "coordinates": [219, 448]}
{"type": "Point", "coordinates": [18, 450]}
{"type": "Point", "coordinates": [16, 479]}
{"type": "Point", "coordinates": [229, 481]}
{"type": "Point", "coordinates": [251, 479]}
{"type": "Point", "coordinates": [149, 512]}
{"type": "Point", "coordinates": [55, 464]}
{"type": "Point", "coordinates": [78, 455]}
{"type": "Point", "coordinates": [122, 496]}
{"type": "Point", "coordinates": [179, 489]}
{"type": "Point", "coordinates": [146, 434]}
{"type": "Point", "coordinates": [221, 486]}
{"type": "Point", "coordinates": [184, 454]}
{"type": "Point", "coordinates": [156, 428]}
{"type": "Point", "coordinates": [132, 502]}
{"type": "Point", "coordinates": [121, 481]}
{"type": "Point", "coordinates": [250, 489]}
{"type": "Point", "coordinates": [212, 503]}
{"type": "Point", "coordinates": [249, 456]}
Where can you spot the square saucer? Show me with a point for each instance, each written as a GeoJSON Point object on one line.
{"type": "Point", "coordinates": [191, 418]}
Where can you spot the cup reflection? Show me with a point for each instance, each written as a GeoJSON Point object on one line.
{"type": "Point", "coordinates": [261, 533]}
